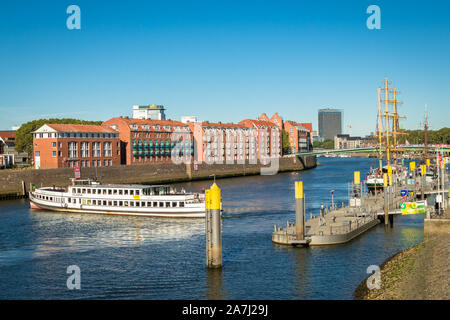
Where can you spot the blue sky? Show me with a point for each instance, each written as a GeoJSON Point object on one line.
{"type": "Point", "coordinates": [223, 60]}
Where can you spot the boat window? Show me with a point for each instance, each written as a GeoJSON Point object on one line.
{"type": "Point", "coordinates": [78, 190]}
{"type": "Point", "coordinates": [120, 203]}
{"type": "Point", "coordinates": [174, 204]}
{"type": "Point", "coordinates": [155, 204]}
{"type": "Point", "coordinates": [104, 191]}
{"type": "Point", "coordinates": [138, 204]}
{"type": "Point", "coordinates": [131, 192]}
{"type": "Point", "coordinates": [126, 203]}
{"type": "Point", "coordinates": [115, 191]}
{"type": "Point", "coordinates": [104, 202]}
{"type": "Point", "coordinates": [161, 204]}
{"type": "Point", "coordinates": [84, 190]}
{"type": "Point", "coordinates": [110, 203]}
{"type": "Point", "coordinates": [88, 191]}
{"type": "Point", "coordinates": [89, 202]}
{"type": "Point", "coordinates": [142, 204]}
{"type": "Point", "coordinates": [120, 192]}
{"type": "Point", "coordinates": [181, 204]}
{"type": "Point", "coordinates": [74, 190]}
{"type": "Point", "coordinates": [109, 191]}
{"type": "Point", "coordinates": [115, 203]}
{"type": "Point", "coordinates": [94, 202]}
{"type": "Point", "coordinates": [125, 192]}
{"type": "Point", "coordinates": [68, 200]}
{"type": "Point", "coordinates": [131, 203]}
{"type": "Point", "coordinates": [94, 191]}
{"type": "Point", "coordinates": [167, 204]}
{"type": "Point", "coordinates": [149, 204]}
{"type": "Point", "coordinates": [137, 192]}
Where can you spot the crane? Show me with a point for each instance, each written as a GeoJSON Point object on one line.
{"type": "Point", "coordinates": [349, 126]}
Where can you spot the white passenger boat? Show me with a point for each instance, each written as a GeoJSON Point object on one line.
{"type": "Point", "coordinates": [87, 196]}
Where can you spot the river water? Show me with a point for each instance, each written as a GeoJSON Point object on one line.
{"type": "Point", "coordinates": [154, 258]}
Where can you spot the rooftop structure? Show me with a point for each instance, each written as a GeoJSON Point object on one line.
{"type": "Point", "coordinates": [153, 112]}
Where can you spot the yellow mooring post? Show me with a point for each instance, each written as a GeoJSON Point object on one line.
{"type": "Point", "coordinates": [386, 200]}
{"type": "Point", "coordinates": [213, 227]}
{"type": "Point", "coordinates": [423, 172]}
{"type": "Point", "coordinates": [299, 211]}
{"type": "Point", "coordinates": [357, 181]}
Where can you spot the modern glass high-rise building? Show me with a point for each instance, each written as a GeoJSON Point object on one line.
{"type": "Point", "coordinates": [330, 123]}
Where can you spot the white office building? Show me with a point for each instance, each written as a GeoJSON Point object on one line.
{"type": "Point", "coordinates": [153, 112]}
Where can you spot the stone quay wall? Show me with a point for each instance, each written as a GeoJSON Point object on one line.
{"type": "Point", "coordinates": [12, 182]}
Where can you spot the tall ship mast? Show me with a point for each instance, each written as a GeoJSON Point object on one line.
{"type": "Point", "coordinates": [388, 128]}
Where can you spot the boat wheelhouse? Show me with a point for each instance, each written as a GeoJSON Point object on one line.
{"type": "Point", "coordinates": [89, 196]}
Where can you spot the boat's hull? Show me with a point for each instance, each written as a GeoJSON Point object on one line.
{"type": "Point", "coordinates": [34, 204]}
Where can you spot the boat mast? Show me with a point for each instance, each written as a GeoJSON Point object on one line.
{"type": "Point", "coordinates": [380, 153]}
{"type": "Point", "coordinates": [425, 145]}
{"type": "Point", "coordinates": [389, 145]}
{"type": "Point", "coordinates": [388, 160]}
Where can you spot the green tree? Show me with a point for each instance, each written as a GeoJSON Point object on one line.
{"type": "Point", "coordinates": [24, 136]}
{"type": "Point", "coordinates": [441, 136]}
{"type": "Point", "coordinates": [285, 142]}
{"type": "Point", "coordinates": [326, 144]}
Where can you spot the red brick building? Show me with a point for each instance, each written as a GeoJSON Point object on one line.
{"type": "Point", "coordinates": [145, 141]}
{"type": "Point", "coordinates": [68, 145]}
{"type": "Point", "coordinates": [298, 132]}
{"type": "Point", "coordinates": [299, 136]}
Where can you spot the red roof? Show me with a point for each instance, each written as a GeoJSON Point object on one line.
{"type": "Point", "coordinates": [80, 128]}
{"type": "Point", "coordinates": [307, 126]}
{"type": "Point", "coordinates": [140, 122]}
{"type": "Point", "coordinates": [221, 125]}
{"type": "Point", "coordinates": [7, 135]}
{"type": "Point", "coordinates": [258, 122]}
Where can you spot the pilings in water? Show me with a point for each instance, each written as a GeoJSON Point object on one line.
{"type": "Point", "coordinates": [386, 200]}
{"type": "Point", "coordinates": [299, 211]}
{"type": "Point", "coordinates": [213, 227]}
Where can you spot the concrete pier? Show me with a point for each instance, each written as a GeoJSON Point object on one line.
{"type": "Point", "coordinates": [340, 225]}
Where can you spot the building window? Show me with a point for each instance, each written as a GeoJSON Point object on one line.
{"type": "Point", "coordinates": [96, 149]}
{"type": "Point", "coordinates": [85, 149]}
{"type": "Point", "coordinates": [107, 149]}
{"type": "Point", "coordinates": [73, 150]}
{"type": "Point", "coordinates": [54, 144]}
{"type": "Point", "coordinates": [54, 153]}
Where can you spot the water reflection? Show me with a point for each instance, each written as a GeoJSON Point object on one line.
{"type": "Point", "coordinates": [215, 285]}
{"type": "Point", "coordinates": [55, 231]}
